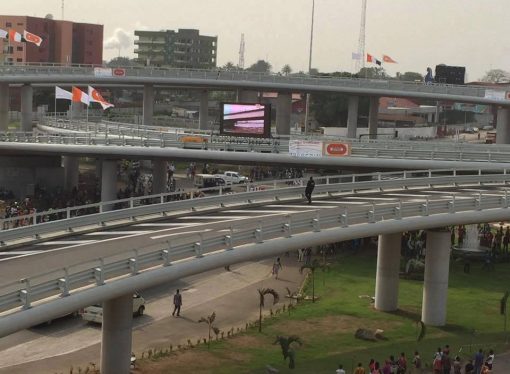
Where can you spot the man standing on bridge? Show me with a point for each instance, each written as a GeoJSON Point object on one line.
{"type": "Point", "coordinates": [309, 189]}
{"type": "Point", "coordinates": [177, 303]}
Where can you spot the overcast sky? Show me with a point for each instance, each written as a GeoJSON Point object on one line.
{"type": "Point", "coordinates": [416, 33]}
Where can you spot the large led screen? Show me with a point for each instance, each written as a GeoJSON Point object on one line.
{"type": "Point", "coordinates": [245, 119]}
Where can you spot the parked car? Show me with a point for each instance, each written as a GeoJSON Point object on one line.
{"type": "Point", "coordinates": [209, 180]}
{"type": "Point", "coordinates": [94, 313]}
{"type": "Point", "coordinates": [234, 177]}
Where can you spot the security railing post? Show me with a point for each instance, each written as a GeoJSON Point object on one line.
{"type": "Point", "coordinates": [26, 294]}
{"type": "Point", "coordinates": [63, 283]}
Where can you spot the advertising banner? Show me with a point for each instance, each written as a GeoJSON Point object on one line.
{"type": "Point", "coordinates": [102, 72]}
{"type": "Point", "coordinates": [305, 148]}
{"type": "Point", "coordinates": [335, 149]}
{"type": "Point", "coordinates": [119, 72]}
{"type": "Point", "coordinates": [495, 95]}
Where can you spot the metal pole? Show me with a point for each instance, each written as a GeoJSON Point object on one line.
{"type": "Point", "coordinates": [307, 106]}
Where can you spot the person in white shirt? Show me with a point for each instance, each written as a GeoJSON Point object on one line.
{"type": "Point", "coordinates": [340, 370]}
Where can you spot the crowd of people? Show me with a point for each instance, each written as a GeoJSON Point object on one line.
{"type": "Point", "coordinates": [442, 362]}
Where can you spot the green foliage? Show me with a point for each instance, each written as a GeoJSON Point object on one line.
{"type": "Point", "coordinates": [410, 76]}
{"type": "Point", "coordinates": [122, 62]}
{"type": "Point", "coordinates": [496, 76]}
{"type": "Point", "coordinates": [286, 69]}
{"type": "Point", "coordinates": [262, 294]}
{"type": "Point", "coordinates": [287, 350]}
{"type": "Point", "coordinates": [372, 73]}
{"type": "Point", "coordinates": [260, 66]}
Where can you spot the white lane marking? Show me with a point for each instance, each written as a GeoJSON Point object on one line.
{"type": "Point", "coordinates": [370, 198]}
{"type": "Point", "coordinates": [214, 217]}
{"type": "Point", "coordinates": [99, 233]}
{"type": "Point", "coordinates": [165, 224]}
{"type": "Point", "coordinates": [18, 253]}
{"type": "Point", "coordinates": [304, 206]}
{"type": "Point", "coordinates": [178, 233]}
{"type": "Point", "coordinates": [68, 242]}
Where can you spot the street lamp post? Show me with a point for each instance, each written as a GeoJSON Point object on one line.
{"type": "Point", "coordinates": [307, 106]}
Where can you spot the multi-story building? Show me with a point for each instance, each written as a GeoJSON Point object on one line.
{"type": "Point", "coordinates": [64, 42]}
{"type": "Point", "coordinates": [184, 48]}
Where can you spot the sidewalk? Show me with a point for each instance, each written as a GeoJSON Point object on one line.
{"type": "Point", "coordinates": [231, 295]}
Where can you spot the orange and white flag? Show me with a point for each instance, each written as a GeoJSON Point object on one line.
{"type": "Point", "coordinates": [95, 97]}
{"type": "Point", "coordinates": [32, 38]}
{"type": "Point", "coordinates": [388, 59]}
{"type": "Point", "coordinates": [80, 97]}
{"type": "Point", "coordinates": [14, 36]}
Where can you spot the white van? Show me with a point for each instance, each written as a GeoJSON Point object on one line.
{"type": "Point", "coordinates": [234, 177]}
{"type": "Point", "coordinates": [94, 313]}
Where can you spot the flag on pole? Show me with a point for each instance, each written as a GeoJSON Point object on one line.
{"type": "Point", "coordinates": [356, 56]}
{"type": "Point", "coordinates": [378, 62]}
{"type": "Point", "coordinates": [95, 97]}
{"type": "Point", "coordinates": [32, 38]}
{"type": "Point", "coordinates": [3, 34]}
{"type": "Point", "coordinates": [370, 58]}
{"type": "Point", "coordinates": [15, 36]}
{"type": "Point", "coordinates": [80, 97]}
{"type": "Point", "coordinates": [62, 94]}
{"type": "Point", "coordinates": [388, 59]}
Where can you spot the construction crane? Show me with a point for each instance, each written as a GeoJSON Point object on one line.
{"type": "Point", "coordinates": [240, 65]}
{"type": "Point", "coordinates": [360, 62]}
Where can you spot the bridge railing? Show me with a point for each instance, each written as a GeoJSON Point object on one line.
{"type": "Point", "coordinates": [163, 251]}
{"type": "Point", "coordinates": [159, 205]}
{"type": "Point", "coordinates": [220, 75]}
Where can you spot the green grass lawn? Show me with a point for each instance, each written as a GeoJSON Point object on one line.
{"type": "Point", "coordinates": [327, 327]}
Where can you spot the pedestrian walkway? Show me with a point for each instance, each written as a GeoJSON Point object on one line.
{"type": "Point", "coordinates": [231, 295]}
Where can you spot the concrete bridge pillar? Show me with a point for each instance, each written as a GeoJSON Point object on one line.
{"type": "Point", "coordinates": [283, 113]}
{"type": "Point", "coordinates": [108, 182]}
{"type": "Point", "coordinates": [204, 110]}
{"type": "Point", "coordinates": [503, 126]}
{"type": "Point", "coordinates": [148, 104]}
{"type": "Point", "coordinates": [116, 335]}
{"type": "Point", "coordinates": [352, 116]}
{"type": "Point", "coordinates": [27, 94]}
{"type": "Point", "coordinates": [387, 276]}
{"type": "Point", "coordinates": [4, 106]}
{"type": "Point", "coordinates": [159, 176]}
{"type": "Point", "coordinates": [372, 117]}
{"type": "Point", "coordinates": [435, 285]}
{"type": "Point", "coordinates": [71, 172]}
{"type": "Point", "coordinates": [244, 96]}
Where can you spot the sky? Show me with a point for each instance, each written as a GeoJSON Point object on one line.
{"type": "Point", "coordinates": [415, 33]}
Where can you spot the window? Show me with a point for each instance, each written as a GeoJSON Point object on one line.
{"type": "Point", "coordinates": [19, 48]}
{"type": "Point", "coordinates": [20, 23]}
{"type": "Point", "coordinates": [8, 24]}
{"type": "Point", "coordinates": [19, 60]}
{"type": "Point", "coordinates": [10, 49]}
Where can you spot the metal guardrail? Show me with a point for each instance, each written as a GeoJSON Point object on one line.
{"type": "Point", "coordinates": [163, 252]}
{"type": "Point", "coordinates": [13, 71]}
{"type": "Point", "coordinates": [273, 191]}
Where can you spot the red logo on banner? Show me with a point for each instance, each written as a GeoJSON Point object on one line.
{"type": "Point", "coordinates": [508, 95]}
{"type": "Point", "coordinates": [337, 149]}
{"type": "Point", "coordinates": [118, 72]}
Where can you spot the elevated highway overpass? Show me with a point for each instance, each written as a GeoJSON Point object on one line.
{"type": "Point", "coordinates": [75, 278]}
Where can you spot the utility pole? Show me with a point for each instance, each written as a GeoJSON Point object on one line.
{"type": "Point", "coordinates": [240, 65]}
{"type": "Point", "coordinates": [360, 63]}
{"type": "Point", "coordinates": [307, 106]}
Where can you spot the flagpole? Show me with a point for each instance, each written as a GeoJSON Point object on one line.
{"type": "Point", "coordinates": [307, 105]}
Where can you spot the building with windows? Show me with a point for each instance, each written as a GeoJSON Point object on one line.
{"type": "Point", "coordinates": [184, 48]}
{"type": "Point", "coordinates": [64, 42]}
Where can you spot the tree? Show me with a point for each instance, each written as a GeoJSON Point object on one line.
{"type": "Point", "coordinates": [287, 350]}
{"type": "Point", "coordinates": [372, 73]}
{"type": "Point", "coordinates": [121, 62]}
{"type": "Point", "coordinates": [262, 293]}
{"type": "Point", "coordinates": [312, 267]}
{"type": "Point", "coordinates": [286, 69]}
{"type": "Point", "coordinates": [260, 66]}
{"type": "Point", "coordinates": [210, 320]}
{"type": "Point", "coordinates": [229, 66]}
{"type": "Point", "coordinates": [497, 76]}
{"type": "Point", "coordinates": [410, 76]}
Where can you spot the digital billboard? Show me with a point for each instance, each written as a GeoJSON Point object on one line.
{"type": "Point", "coordinates": [241, 119]}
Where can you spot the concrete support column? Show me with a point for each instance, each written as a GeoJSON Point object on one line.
{"type": "Point", "coordinates": [116, 335]}
{"type": "Point", "coordinates": [372, 117]}
{"type": "Point", "coordinates": [108, 182]}
{"type": "Point", "coordinates": [148, 104]}
{"type": "Point", "coordinates": [283, 113]}
{"type": "Point", "coordinates": [27, 94]}
{"type": "Point", "coordinates": [387, 276]}
{"type": "Point", "coordinates": [503, 126]}
{"type": "Point", "coordinates": [4, 106]}
{"type": "Point", "coordinates": [71, 171]}
{"type": "Point", "coordinates": [435, 285]}
{"type": "Point", "coordinates": [204, 110]}
{"type": "Point", "coordinates": [159, 176]}
{"type": "Point", "coordinates": [352, 116]}
{"type": "Point", "coordinates": [244, 96]}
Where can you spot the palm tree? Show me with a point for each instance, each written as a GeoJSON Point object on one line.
{"type": "Point", "coordinates": [262, 293]}
{"type": "Point", "coordinates": [312, 267]}
{"type": "Point", "coordinates": [210, 320]}
{"type": "Point", "coordinates": [229, 66]}
{"type": "Point", "coordinates": [287, 351]}
{"type": "Point", "coordinates": [286, 69]}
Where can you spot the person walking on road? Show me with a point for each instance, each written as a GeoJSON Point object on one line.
{"type": "Point", "coordinates": [177, 304]}
{"type": "Point", "coordinates": [479, 361]}
{"type": "Point", "coordinates": [276, 267]}
{"type": "Point", "coordinates": [309, 189]}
